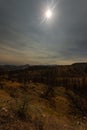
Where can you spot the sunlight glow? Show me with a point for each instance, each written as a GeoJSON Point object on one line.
{"type": "Point", "coordinates": [49, 11]}
{"type": "Point", "coordinates": [48, 14]}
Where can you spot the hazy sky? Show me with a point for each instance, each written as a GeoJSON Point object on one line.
{"type": "Point", "coordinates": [26, 39]}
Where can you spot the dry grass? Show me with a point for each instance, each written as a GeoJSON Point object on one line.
{"type": "Point", "coordinates": [40, 113]}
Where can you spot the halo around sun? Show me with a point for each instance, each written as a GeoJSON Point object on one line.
{"type": "Point", "coordinates": [48, 14]}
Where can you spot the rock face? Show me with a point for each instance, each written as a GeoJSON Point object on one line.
{"type": "Point", "coordinates": [44, 98]}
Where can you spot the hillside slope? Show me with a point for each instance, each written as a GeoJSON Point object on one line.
{"type": "Point", "coordinates": [28, 109]}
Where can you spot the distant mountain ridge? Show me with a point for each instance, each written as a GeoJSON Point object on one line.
{"type": "Point", "coordinates": [76, 69]}
{"type": "Point", "coordinates": [12, 67]}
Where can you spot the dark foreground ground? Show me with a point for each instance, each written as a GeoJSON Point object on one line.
{"type": "Point", "coordinates": [43, 99]}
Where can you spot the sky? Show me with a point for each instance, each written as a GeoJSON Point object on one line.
{"type": "Point", "coordinates": [26, 38]}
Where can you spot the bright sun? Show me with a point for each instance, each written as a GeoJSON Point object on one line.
{"type": "Point", "coordinates": [48, 14]}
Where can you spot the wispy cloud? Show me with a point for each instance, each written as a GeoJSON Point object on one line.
{"type": "Point", "coordinates": [24, 40]}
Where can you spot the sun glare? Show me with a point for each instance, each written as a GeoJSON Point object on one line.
{"type": "Point", "coordinates": [48, 14]}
